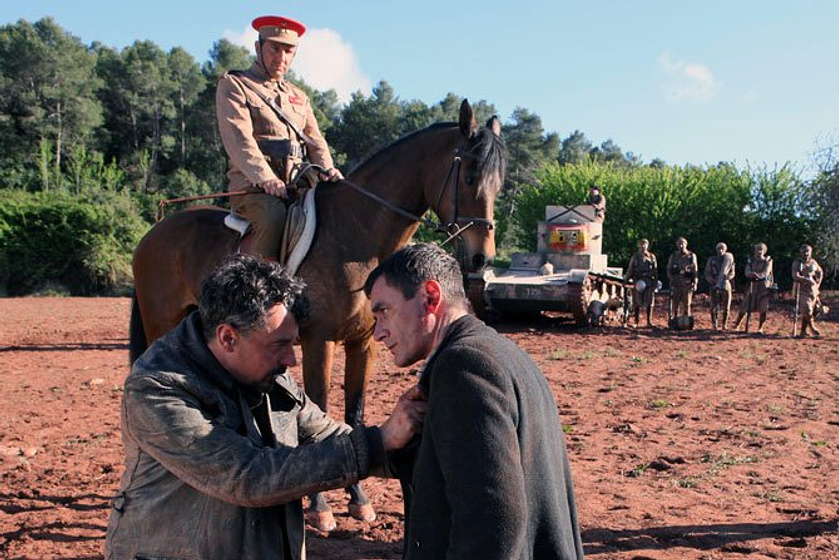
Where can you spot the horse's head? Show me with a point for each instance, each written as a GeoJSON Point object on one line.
{"type": "Point", "coordinates": [467, 202]}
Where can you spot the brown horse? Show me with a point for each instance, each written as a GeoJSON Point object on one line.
{"type": "Point", "coordinates": [454, 169]}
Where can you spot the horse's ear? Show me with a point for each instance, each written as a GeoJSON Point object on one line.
{"type": "Point", "coordinates": [494, 125]}
{"type": "Point", "coordinates": [468, 124]}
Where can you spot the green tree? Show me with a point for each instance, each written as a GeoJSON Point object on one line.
{"type": "Point", "coordinates": [823, 197]}
{"type": "Point", "coordinates": [49, 90]}
{"type": "Point", "coordinates": [189, 83]}
{"type": "Point", "coordinates": [575, 149]}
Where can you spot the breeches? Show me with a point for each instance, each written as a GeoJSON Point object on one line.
{"type": "Point", "coordinates": [721, 299]}
{"type": "Point", "coordinates": [807, 302]}
{"type": "Point", "coordinates": [682, 296]}
{"type": "Point", "coordinates": [644, 299]}
{"type": "Point", "coordinates": [759, 299]}
{"type": "Point", "coordinates": [267, 215]}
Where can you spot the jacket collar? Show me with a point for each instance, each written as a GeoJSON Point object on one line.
{"type": "Point", "coordinates": [461, 326]}
{"type": "Point", "coordinates": [263, 78]}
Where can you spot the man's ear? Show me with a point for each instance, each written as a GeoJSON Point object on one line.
{"type": "Point", "coordinates": [227, 337]}
{"type": "Point", "coordinates": [433, 296]}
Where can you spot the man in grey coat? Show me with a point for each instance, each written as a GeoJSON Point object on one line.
{"type": "Point", "coordinates": [220, 443]}
{"type": "Point", "coordinates": [491, 477]}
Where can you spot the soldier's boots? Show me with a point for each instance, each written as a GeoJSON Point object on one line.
{"type": "Point", "coordinates": [715, 320]}
{"type": "Point", "coordinates": [809, 321]}
{"type": "Point", "coordinates": [724, 320]}
{"type": "Point", "coordinates": [760, 323]}
{"type": "Point", "coordinates": [649, 317]}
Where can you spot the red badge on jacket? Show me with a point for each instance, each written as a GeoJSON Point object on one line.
{"type": "Point", "coordinates": [296, 100]}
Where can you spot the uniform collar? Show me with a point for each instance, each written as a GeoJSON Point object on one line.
{"type": "Point", "coordinates": [262, 76]}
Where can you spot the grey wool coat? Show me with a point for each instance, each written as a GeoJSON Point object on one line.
{"type": "Point", "coordinates": [203, 479]}
{"type": "Point", "coordinates": [491, 479]}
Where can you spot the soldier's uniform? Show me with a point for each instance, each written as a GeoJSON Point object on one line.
{"type": "Point", "coordinates": [759, 275]}
{"type": "Point", "coordinates": [599, 203]}
{"type": "Point", "coordinates": [682, 274]}
{"type": "Point", "coordinates": [262, 146]}
{"type": "Point", "coordinates": [719, 272]}
{"type": "Point", "coordinates": [808, 277]}
{"type": "Point", "coordinates": [643, 266]}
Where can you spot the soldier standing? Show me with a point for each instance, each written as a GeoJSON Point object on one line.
{"type": "Point", "coordinates": [807, 275]}
{"type": "Point", "coordinates": [683, 276]}
{"type": "Point", "coordinates": [759, 275]}
{"type": "Point", "coordinates": [719, 272]}
{"type": "Point", "coordinates": [643, 272]}
{"type": "Point", "coordinates": [268, 128]}
{"type": "Point", "coordinates": [598, 200]}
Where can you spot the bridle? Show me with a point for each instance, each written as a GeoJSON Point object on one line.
{"type": "Point", "coordinates": [453, 228]}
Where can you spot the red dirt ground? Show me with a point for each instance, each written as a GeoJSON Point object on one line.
{"type": "Point", "coordinates": [684, 445]}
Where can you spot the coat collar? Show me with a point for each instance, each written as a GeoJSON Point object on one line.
{"type": "Point", "coordinates": [461, 326]}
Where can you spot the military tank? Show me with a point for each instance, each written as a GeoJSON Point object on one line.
{"type": "Point", "coordinates": [567, 273]}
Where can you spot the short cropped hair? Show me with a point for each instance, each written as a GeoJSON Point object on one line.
{"type": "Point", "coordinates": [722, 245]}
{"type": "Point", "coordinates": [681, 239]}
{"type": "Point", "coordinates": [761, 245]}
{"type": "Point", "coordinates": [411, 266]}
{"type": "Point", "coordinates": [805, 246]}
{"type": "Point", "coordinates": [242, 290]}
{"type": "Point", "coordinates": [643, 240]}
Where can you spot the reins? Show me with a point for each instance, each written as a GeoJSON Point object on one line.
{"type": "Point", "coordinates": [452, 229]}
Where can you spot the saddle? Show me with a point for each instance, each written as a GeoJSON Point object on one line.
{"type": "Point", "coordinates": [298, 233]}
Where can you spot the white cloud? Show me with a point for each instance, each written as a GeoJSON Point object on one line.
{"type": "Point", "coordinates": [685, 81]}
{"type": "Point", "coordinates": [324, 60]}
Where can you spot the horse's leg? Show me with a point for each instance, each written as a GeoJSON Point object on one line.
{"type": "Point", "coordinates": [360, 357]}
{"type": "Point", "coordinates": [317, 373]}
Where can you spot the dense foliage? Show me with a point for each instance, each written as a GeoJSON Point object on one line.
{"type": "Point", "coordinates": [91, 138]}
{"type": "Point", "coordinates": [721, 203]}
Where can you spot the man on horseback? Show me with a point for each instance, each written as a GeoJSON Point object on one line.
{"type": "Point", "coordinates": [269, 129]}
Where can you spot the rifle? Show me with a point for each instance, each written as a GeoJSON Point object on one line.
{"type": "Point", "coordinates": [626, 304]}
{"type": "Point", "coordinates": [749, 298]}
{"type": "Point", "coordinates": [796, 289]}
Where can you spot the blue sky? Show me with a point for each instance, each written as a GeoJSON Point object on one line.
{"type": "Point", "coordinates": [751, 82]}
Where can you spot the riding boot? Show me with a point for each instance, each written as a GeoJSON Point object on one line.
{"type": "Point", "coordinates": [760, 323]}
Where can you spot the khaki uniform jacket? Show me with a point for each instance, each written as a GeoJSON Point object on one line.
{"type": "Point", "coordinates": [682, 269]}
{"type": "Point", "coordinates": [720, 271]}
{"type": "Point", "coordinates": [808, 293]}
{"type": "Point", "coordinates": [203, 478]}
{"type": "Point", "coordinates": [642, 266]}
{"type": "Point", "coordinates": [244, 118]}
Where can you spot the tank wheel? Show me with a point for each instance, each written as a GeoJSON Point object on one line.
{"type": "Point", "coordinates": [580, 297]}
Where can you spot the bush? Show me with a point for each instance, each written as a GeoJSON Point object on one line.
{"type": "Point", "coordinates": [705, 205]}
{"type": "Point", "coordinates": [82, 243]}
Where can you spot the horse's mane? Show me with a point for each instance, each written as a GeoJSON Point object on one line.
{"type": "Point", "coordinates": [490, 150]}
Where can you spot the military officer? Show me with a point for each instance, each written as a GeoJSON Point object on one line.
{"type": "Point", "coordinates": [268, 128]}
{"type": "Point", "coordinates": [683, 276]}
{"type": "Point", "coordinates": [807, 275]}
{"type": "Point", "coordinates": [759, 274]}
{"type": "Point", "coordinates": [719, 272]}
{"type": "Point", "coordinates": [643, 272]}
{"type": "Point", "coordinates": [598, 200]}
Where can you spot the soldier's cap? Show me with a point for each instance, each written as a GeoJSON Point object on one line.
{"type": "Point", "coordinates": [278, 28]}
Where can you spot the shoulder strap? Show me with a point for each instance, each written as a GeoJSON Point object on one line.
{"type": "Point", "coordinates": [276, 108]}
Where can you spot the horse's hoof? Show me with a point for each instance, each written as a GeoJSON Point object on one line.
{"type": "Point", "coordinates": [362, 512]}
{"type": "Point", "coordinates": [321, 520]}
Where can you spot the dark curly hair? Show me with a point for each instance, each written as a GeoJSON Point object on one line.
{"type": "Point", "coordinates": [243, 288]}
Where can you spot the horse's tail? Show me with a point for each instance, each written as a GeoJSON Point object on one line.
{"type": "Point", "coordinates": [137, 342]}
